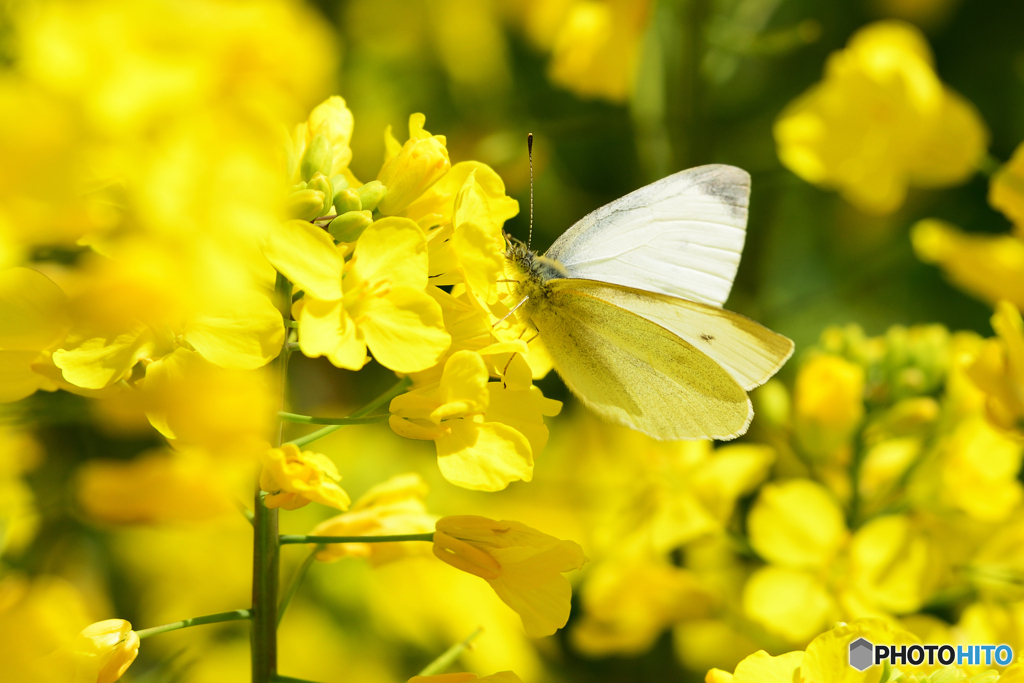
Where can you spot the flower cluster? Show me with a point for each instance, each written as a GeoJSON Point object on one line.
{"type": "Point", "coordinates": [883, 485]}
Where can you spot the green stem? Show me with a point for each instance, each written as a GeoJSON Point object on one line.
{"type": "Point", "coordinates": [266, 555]}
{"type": "Point", "coordinates": [289, 539]}
{"type": "Point", "coordinates": [386, 397]}
{"type": "Point", "coordinates": [340, 421]}
{"type": "Point", "coordinates": [233, 615]}
{"type": "Point", "coordinates": [442, 663]}
{"type": "Point", "coordinates": [300, 574]}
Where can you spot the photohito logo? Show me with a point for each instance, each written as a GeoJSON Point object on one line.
{"type": "Point", "coordinates": [864, 654]}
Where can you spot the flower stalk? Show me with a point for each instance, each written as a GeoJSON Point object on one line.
{"type": "Point", "coordinates": [233, 615]}
{"type": "Point", "coordinates": [266, 557]}
{"type": "Point", "coordinates": [289, 539]}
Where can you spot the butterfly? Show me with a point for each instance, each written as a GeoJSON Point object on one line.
{"type": "Point", "coordinates": [628, 303]}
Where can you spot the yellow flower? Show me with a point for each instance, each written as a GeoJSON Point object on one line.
{"type": "Point", "coordinates": [486, 435]}
{"type": "Point", "coordinates": [797, 524]}
{"type": "Point", "coordinates": [990, 267]}
{"type": "Point", "coordinates": [522, 565]}
{"type": "Point", "coordinates": [293, 479]}
{"type": "Point", "coordinates": [392, 507]}
{"type": "Point", "coordinates": [828, 405]}
{"type": "Point", "coordinates": [827, 658]}
{"type": "Point", "coordinates": [500, 677]}
{"type": "Point", "coordinates": [157, 486]}
{"type": "Point", "coordinates": [1006, 190]}
{"type": "Point", "coordinates": [186, 397]}
{"type": "Point", "coordinates": [104, 651]}
{"type": "Point", "coordinates": [137, 309]}
{"type": "Point", "coordinates": [37, 621]}
{"type": "Point", "coordinates": [333, 120]}
{"type": "Point", "coordinates": [979, 470]}
{"type": "Point", "coordinates": [375, 301]}
{"type": "Point", "coordinates": [881, 121]}
{"type": "Point", "coordinates": [34, 319]}
{"type": "Point", "coordinates": [471, 248]}
{"type": "Point", "coordinates": [411, 170]}
{"type": "Point", "coordinates": [596, 50]}
{"type": "Point", "coordinates": [999, 369]}
{"type": "Point", "coordinates": [628, 605]}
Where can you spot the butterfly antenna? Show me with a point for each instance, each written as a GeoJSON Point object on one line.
{"type": "Point", "coordinates": [529, 151]}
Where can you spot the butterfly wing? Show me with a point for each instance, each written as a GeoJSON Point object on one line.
{"type": "Point", "coordinates": [635, 372]}
{"type": "Point", "coordinates": [748, 351]}
{"type": "Point", "coordinates": [680, 236]}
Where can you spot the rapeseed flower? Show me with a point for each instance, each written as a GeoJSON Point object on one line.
{"type": "Point", "coordinates": [522, 565]}
{"type": "Point", "coordinates": [294, 478]}
{"type": "Point", "coordinates": [392, 507]}
{"type": "Point", "coordinates": [374, 301]}
{"type": "Point", "coordinates": [486, 434]}
{"type": "Point", "coordinates": [880, 122]}
{"type": "Point", "coordinates": [103, 651]}
{"type": "Point", "coordinates": [411, 169]}
{"type": "Point", "coordinates": [629, 603]}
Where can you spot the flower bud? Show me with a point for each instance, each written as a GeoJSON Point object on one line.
{"type": "Point", "coordinates": [421, 162]}
{"type": "Point", "coordinates": [317, 158]}
{"type": "Point", "coordinates": [347, 200]}
{"type": "Point", "coordinates": [305, 205]}
{"type": "Point", "coordinates": [321, 184]}
{"type": "Point", "coordinates": [104, 651]}
{"type": "Point", "coordinates": [828, 404]}
{"type": "Point", "coordinates": [371, 194]}
{"type": "Point", "coordinates": [347, 227]}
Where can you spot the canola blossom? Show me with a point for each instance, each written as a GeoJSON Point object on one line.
{"type": "Point", "coordinates": [881, 122]}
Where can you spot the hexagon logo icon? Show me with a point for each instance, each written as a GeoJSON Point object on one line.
{"type": "Point", "coordinates": [861, 654]}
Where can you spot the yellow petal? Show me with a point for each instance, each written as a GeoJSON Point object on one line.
{"type": "Point", "coordinates": [986, 266]}
{"type": "Point", "coordinates": [17, 378]}
{"type": "Point", "coordinates": [33, 311]}
{"type": "Point", "coordinates": [482, 456]}
{"type": "Point", "coordinates": [788, 602]}
{"type": "Point", "coordinates": [951, 153]}
{"type": "Point", "coordinates": [797, 524]}
{"type": "Point", "coordinates": [391, 249]}
{"type": "Point", "coordinates": [97, 359]}
{"type": "Point", "coordinates": [463, 387]}
{"type": "Point", "coordinates": [892, 564]}
{"type": "Point", "coordinates": [306, 255]}
{"type": "Point", "coordinates": [245, 333]}
{"type": "Point", "coordinates": [761, 667]}
{"type": "Point", "coordinates": [1006, 191]}
{"type": "Point", "coordinates": [479, 248]}
{"type": "Point", "coordinates": [326, 330]}
{"type": "Point", "coordinates": [404, 330]}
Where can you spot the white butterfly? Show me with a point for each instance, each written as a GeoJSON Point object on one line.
{"type": "Point", "coordinates": [628, 303]}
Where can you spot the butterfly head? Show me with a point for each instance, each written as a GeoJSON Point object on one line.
{"type": "Point", "coordinates": [530, 264]}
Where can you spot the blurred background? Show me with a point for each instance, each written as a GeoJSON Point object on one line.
{"type": "Point", "coordinates": [700, 554]}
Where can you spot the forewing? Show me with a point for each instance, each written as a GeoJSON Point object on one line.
{"type": "Point", "coordinates": [681, 236]}
{"type": "Point", "coordinates": [634, 372]}
{"type": "Point", "coordinates": [747, 350]}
